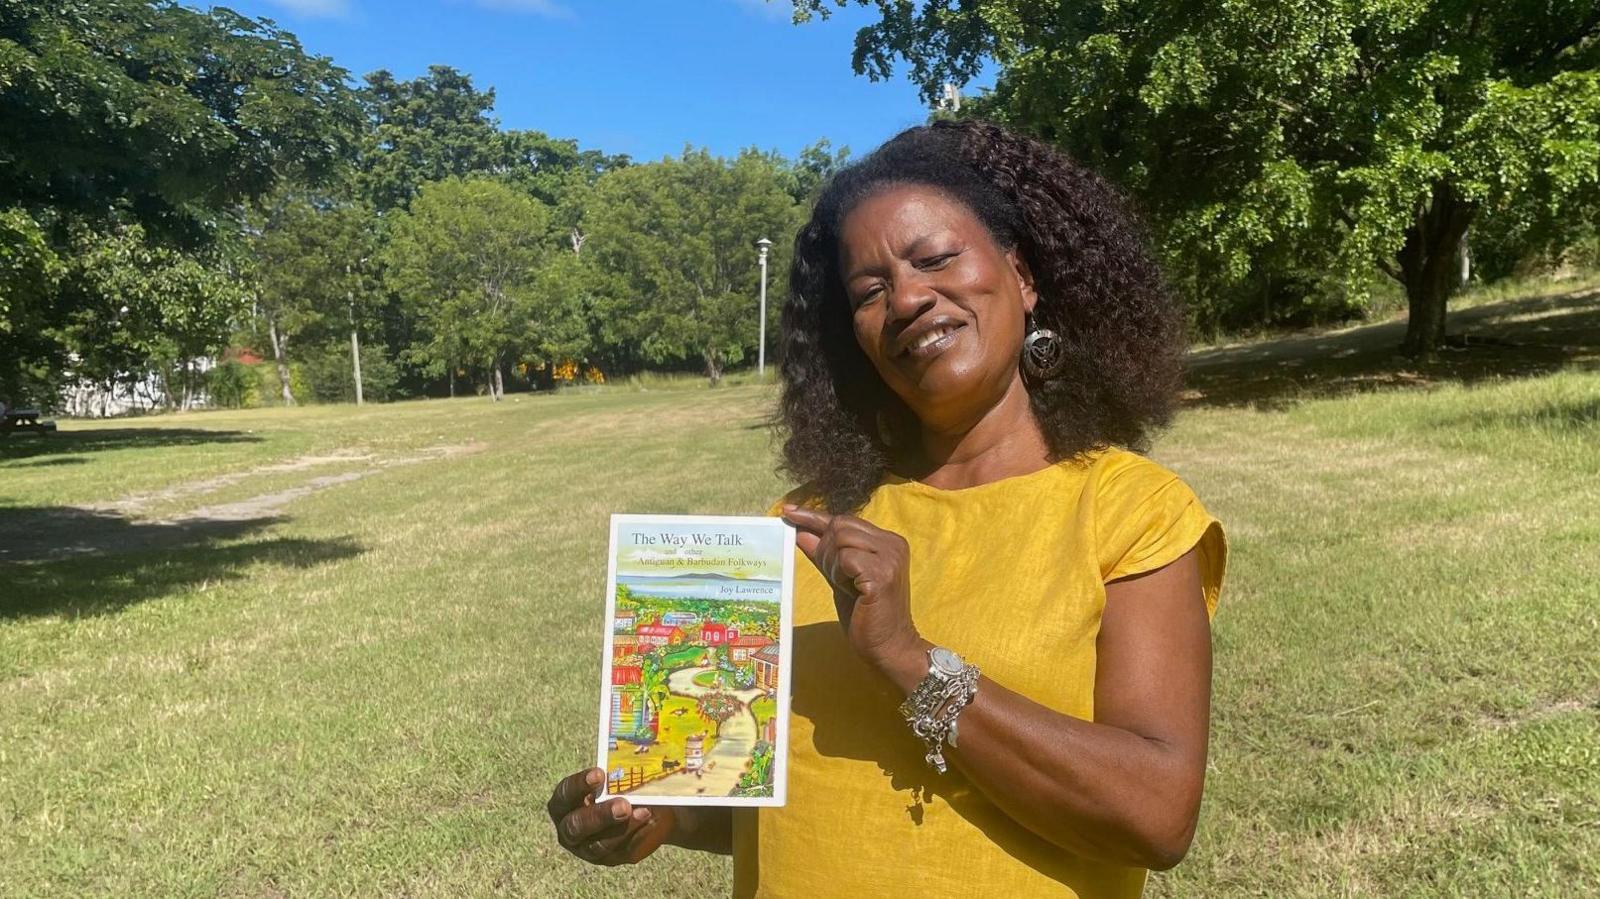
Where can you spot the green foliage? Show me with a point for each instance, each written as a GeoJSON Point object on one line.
{"type": "Point", "coordinates": [679, 237]}
{"type": "Point", "coordinates": [234, 385]}
{"type": "Point", "coordinates": [1270, 137]}
{"type": "Point", "coordinates": [206, 109]}
{"type": "Point", "coordinates": [428, 129]}
{"type": "Point", "coordinates": [331, 378]}
{"type": "Point", "coordinates": [132, 131]}
{"type": "Point", "coordinates": [815, 164]}
{"type": "Point", "coordinates": [174, 309]}
{"type": "Point", "coordinates": [174, 179]}
{"type": "Point", "coordinates": [313, 264]}
{"type": "Point", "coordinates": [757, 780]}
{"type": "Point", "coordinates": [466, 261]}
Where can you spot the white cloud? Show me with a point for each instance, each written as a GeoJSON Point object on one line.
{"type": "Point", "coordinates": [325, 9]}
{"type": "Point", "coordinates": [547, 8]}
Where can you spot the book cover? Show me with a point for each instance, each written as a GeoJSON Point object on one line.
{"type": "Point", "coordinates": [694, 698]}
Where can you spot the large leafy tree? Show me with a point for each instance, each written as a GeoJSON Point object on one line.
{"type": "Point", "coordinates": [679, 237]}
{"type": "Point", "coordinates": [1377, 129]}
{"type": "Point", "coordinates": [174, 308]}
{"type": "Point", "coordinates": [465, 260]}
{"type": "Point", "coordinates": [138, 120]}
{"type": "Point", "coordinates": [312, 263]}
{"type": "Point", "coordinates": [430, 128]}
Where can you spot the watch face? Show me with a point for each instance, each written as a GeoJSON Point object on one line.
{"type": "Point", "coordinates": [946, 661]}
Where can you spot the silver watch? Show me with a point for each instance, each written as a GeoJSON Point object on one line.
{"type": "Point", "coordinates": [932, 707]}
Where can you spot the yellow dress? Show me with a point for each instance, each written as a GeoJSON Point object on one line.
{"type": "Point", "coordinates": [1011, 575]}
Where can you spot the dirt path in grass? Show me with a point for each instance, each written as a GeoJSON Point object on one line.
{"type": "Point", "coordinates": [138, 502]}
{"type": "Point", "coordinates": [56, 532]}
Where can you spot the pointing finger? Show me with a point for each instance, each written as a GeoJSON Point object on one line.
{"type": "Point", "coordinates": [814, 520]}
{"type": "Point", "coordinates": [807, 542]}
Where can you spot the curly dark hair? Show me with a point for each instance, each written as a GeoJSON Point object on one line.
{"type": "Point", "coordinates": [1098, 288]}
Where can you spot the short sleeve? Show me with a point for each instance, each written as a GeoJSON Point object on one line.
{"type": "Point", "coordinates": [1146, 517]}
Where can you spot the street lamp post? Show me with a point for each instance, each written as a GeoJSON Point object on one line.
{"type": "Point", "coordinates": [761, 352]}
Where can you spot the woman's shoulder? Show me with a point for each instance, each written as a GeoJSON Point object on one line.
{"type": "Point", "coordinates": [1118, 467]}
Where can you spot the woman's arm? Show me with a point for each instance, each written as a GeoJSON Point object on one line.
{"type": "Point", "coordinates": [1126, 787]}
{"type": "Point", "coordinates": [707, 828]}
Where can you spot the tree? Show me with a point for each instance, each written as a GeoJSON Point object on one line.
{"type": "Point", "coordinates": [678, 236]}
{"type": "Point", "coordinates": [816, 164]}
{"type": "Point", "coordinates": [431, 128]}
{"type": "Point", "coordinates": [1381, 130]}
{"type": "Point", "coordinates": [313, 265]}
{"type": "Point", "coordinates": [129, 119]}
{"type": "Point", "coordinates": [174, 310]}
{"type": "Point", "coordinates": [566, 290]}
{"type": "Point", "coordinates": [653, 676]}
{"type": "Point", "coordinates": [465, 260]}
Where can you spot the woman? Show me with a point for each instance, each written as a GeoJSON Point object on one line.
{"type": "Point", "coordinates": [974, 333]}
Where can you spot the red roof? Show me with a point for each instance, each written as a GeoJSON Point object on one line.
{"type": "Point", "coordinates": [750, 640]}
{"type": "Point", "coordinates": [241, 355]}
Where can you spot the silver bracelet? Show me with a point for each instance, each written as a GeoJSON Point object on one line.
{"type": "Point", "coordinates": [932, 707]}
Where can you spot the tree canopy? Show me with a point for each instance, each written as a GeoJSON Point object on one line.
{"type": "Point", "coordinates": [133, 130]}
{"type": "Point", "coordinates": [1342, 134]}
{"type": "Point", "coordinates": [680, 235]}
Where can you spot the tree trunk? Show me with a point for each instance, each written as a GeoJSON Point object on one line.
{"type": "Point", "coordinates": [188, 386]}
{"type": "Point", "coordinates": [355, 361]}
{"type": "Point", "coordinates": [452, 368]}
{"type": "Point", "coordinates": [713, 366]}
{"type": "Point", "coordinates": [497, 386]}
{"type": "Point", "coordinates": [1466, 263]}
{"type": "Point", "coordinates": [280, 347]}
{"type": "Point", "coordinates": [1430, 263]}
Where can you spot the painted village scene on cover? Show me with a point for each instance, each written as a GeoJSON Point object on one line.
{"type": "Point", "coordinates": [695, 698]}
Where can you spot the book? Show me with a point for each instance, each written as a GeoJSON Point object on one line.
{"type": "Point", "coordinates": [694, 689]}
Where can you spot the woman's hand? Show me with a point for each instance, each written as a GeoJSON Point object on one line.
{"type": "Point", "coordinates": [870, 570]}
{"type": "Point", "coordinates": [614, 832]}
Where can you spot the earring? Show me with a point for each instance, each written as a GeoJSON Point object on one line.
{"type": "Point", "coordinates": [1042, 352]}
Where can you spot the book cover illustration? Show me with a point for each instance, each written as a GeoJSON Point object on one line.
{"type": "Point", "coordinates": [695, 682]}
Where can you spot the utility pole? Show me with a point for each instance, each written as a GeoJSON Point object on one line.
{"type": "Point", "coordinates": [761, 352]}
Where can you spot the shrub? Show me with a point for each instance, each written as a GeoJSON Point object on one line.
{"type": "Point", "coordinates": [331, 379]}
{"type": "Point", "coordinates": [234, 385]}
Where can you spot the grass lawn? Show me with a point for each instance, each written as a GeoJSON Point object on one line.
{"type": "Point", "coordinates": [327, 651]}
{"type": "Point", "coordinates": [712, 679]}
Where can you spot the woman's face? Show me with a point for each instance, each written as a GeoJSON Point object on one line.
{"type": "Point", "coordinates": [938, 306]}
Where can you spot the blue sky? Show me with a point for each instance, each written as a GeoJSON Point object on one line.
{"type": "Point", "coordinates": [626, 76]}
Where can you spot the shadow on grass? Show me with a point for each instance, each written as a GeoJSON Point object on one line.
{"type": "Point", "coordinates": [49, 463]}
{"type": "Point", "coordinates": [1525, 337]}
{"type": "Point", "coordinates": [81, 563]}
{"type": "Point", "coordinates": [68, 442]}
{"type": "Point", "coordinates": [36, 533]}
